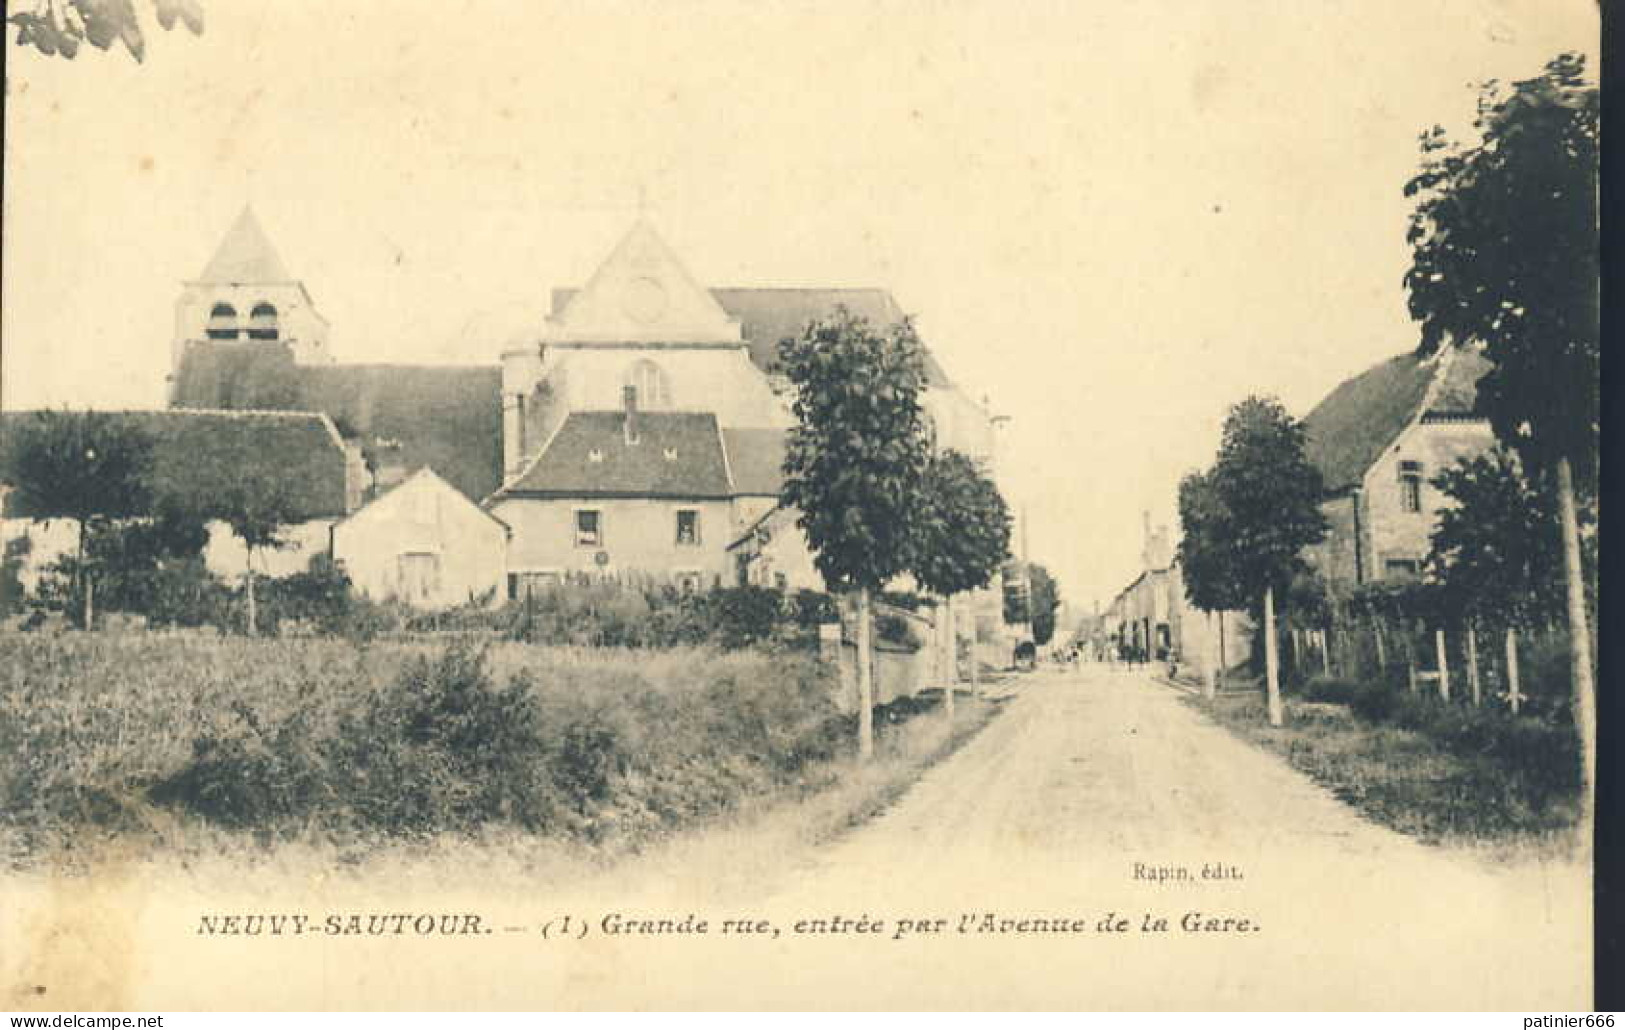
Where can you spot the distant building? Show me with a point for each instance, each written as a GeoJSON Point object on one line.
{"type": "Point", "coordinates": [639, 431]}
{"type": "Point", "coordinates": [1379, 439]}
{"type": "Point", "coordinates": [425, 544]}
{"type": "Point", "coordinates": [1153, 614]}
{"type": "Point", "coordinates": [301, 450]}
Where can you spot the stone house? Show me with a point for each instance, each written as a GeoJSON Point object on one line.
{"type": "Point", "coordinates": [645, 493]}
{"type": "Point", "coordinates": [1379, 439]}
{"type": "Point", "coordinates": [425, 544]}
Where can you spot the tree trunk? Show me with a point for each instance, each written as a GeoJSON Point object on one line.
{"type": "Point", "coordinates": [253, 621]}
{"type": "Point", "coordinates": [866, 686]}
{"type": "Point", "coordinates": [1585, 687]}
{"type": "Point", "coordinates": [86, 590]}
{"type": "Point", "coordinates": [947, 652]}
{"type": "Point", "coordinates": [1210, 654]}
{"type": "Point", "coordinates": [1382, 651]}
{"type": "Point", "coordinates": [1222, 661]}
{"type": "Point", "coordinates": [1272, 661]}
{"type": "Point", "coordinates": [1472, 663]}
{"type": "Point", "coordinates": [1514, 698]}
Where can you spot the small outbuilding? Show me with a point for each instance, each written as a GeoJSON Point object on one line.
{"type": "Point", "coordinates": [424, 543]}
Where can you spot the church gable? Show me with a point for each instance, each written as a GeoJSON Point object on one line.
{"type": "Point", "coordinates": [643, 294]}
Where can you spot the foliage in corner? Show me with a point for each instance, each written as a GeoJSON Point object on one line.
{"type": "Point", "coordinates": [56, 28]}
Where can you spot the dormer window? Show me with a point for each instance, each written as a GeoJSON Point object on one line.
{"type": "Point", "coordinates": [262, 322]}
{"type": "Point", "coordinates": [595, 455]}
{"type": "Point", "coordinates": [223, 322]}
{"type": "Point", "coordinates": [671, 454]}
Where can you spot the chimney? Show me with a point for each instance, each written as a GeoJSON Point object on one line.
{"type": "Point", "coordinates": [629, 398]}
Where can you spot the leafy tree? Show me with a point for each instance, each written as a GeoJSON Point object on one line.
{"type": "Point", "coordinates": [1207, 559]}
{"type": "Point", "coordinates": [1505, 254]}
{"type": "Point", "coordinates": [230, 485]}
{"type": "Point", "coordinates": [132, 556]}
{"type": "Point", "coordinates": [961, 532]}
{"type": "Point", "coordinates": [855, 460]}
{"type": "Point", "coordinates": [1493, 552]}
{"type": "Point", "coordinates": [1269, 495]}
{"type": "Point", "coordinates": [1045, 599]}
{"type": "Point", "coordinates": [57, 27]}
{"type": "Point", "coordinates": [88, 466]}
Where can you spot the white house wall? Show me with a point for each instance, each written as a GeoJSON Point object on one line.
{"type": "Point", "coordinates": [223, 554]}
{"type": "Point", "coordinates": [639, 536]}
{"type": "Point", "coordinates": [423, 516]}
{"type": "Point", "coordinates": [718, 380]}
{"type": "Point", "coordinates": [1391, 532]}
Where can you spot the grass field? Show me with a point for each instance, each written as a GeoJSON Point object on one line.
{"type": "Point", "coordinates": [1510, 789]}
{"type": "Point", "coordinates": [192, 743]}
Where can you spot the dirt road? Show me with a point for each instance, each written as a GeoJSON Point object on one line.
{"type": "Point", "coordinates": [1099, 845]}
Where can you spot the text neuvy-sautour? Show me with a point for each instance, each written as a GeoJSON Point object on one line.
{"type": "Point", "coordinates": [403, 924]}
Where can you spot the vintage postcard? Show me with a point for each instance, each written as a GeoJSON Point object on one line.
{"type": "Point", "coordinates": [788, 505]}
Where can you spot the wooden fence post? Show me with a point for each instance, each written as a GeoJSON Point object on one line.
{"type": "Point", "coordinates": [1410, 657]}
{"type": "Point", "coordinates": [1472, 662]}
{"type": "Point", "coordinates": [1325, 650]}
{"type": "Point", "coordinates": [1514, 698]}
{"type": "Point", "coordinates": [1444, 665]}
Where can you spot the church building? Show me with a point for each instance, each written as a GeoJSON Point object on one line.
{"type": "Point", "coordinates": [638, 433]}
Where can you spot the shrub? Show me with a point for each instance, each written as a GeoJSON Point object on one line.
{"type": "Point", "coordinates": [320, 597]}
{"type": "Point", "coordinates": [893, 628]}
{"type": "Point", "coordinates": [244, 772]}
{"type": "Point", "coordinates": [742, 616]}
{"type": "Point", "coordinates": [1374, 701]}
{"type": "Point", "coordinates": [444, 747]}
{"type": "Point", "coordinates": [12, 560]}
{"type": "Point", "coordinates": [1331, 690]}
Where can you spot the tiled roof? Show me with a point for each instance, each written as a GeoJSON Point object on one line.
{"type": "Point", "coordinates": [1348, 430]}
{"type": "Point", "coordinates": [769, 314]}
{"type": "Point", "coordinates": [445, 416]}
{"type": "Point", "coordinates": [245, 256]}
{"type": "Point", "coordinates": [756, 460]}
{"type": "Point", "coordinates": [677, 454]}
{"type": "Point", "coordinates": [297, 448]}
{"type": "Point", "coordinates": [448, 417]}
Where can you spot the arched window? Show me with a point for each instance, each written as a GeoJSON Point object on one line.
{"type": "Point", "coordinates": [652, 384]}
{"type": "Point", "coordinates": [223, 322]}
{"type": "Point", "coordinates": [262, 322]}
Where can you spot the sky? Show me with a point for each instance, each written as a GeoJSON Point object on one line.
{"type": "Point", "coordinates": [1113, 220]}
